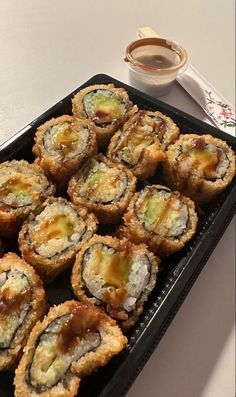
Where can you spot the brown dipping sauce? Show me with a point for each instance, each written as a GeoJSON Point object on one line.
{"type": "Point", "coordinates": [84, 320]}
{"type": "Point", "coordinates": [156, 61]}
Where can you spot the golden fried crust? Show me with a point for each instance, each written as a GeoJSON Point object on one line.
{"type": "Point", "coordinates": [162, 246]}
{"type": "Point", "coordinates": [150, 155]}
{"type": "Point", "coordinates": [106, 213]}
{"type": "Point", "coordinates": [171, 131]}
{"type": "Point", "coordinates": [125, 319]}
{"type": "Point", "coordinates": [199, 189]}
{"type": "Point", "coordinates": [10, 357]}
{"type": "Point", "coordinates": [112, 342]}
{"type": "Point", "coordinates": [61, 170]}
{"type": "Point", "coordinates": [103, 133]}
{"type": "Point", "coordinates": [49, 268]}
{"type": "Point", "coordinates": [11, 219]}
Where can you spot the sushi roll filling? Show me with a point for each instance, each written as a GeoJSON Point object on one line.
{"type": "Point", "coordinates": [115, 277]}
{"type": "Point", "coordinates": [162, 213]}
{"type": "Point", "coordinates": [203, 160]}
{"type": "Point", "coordinates": [65, 340]}
{"type": "Point", "coordinates": [103, 184]}
{"type": "Point", "coordinates": [104, 106]}
{"type": "Point", "coordinates": [15, 296]}
{"type": "Point", "coordinates": [19, 190]}
{"type": "Point", "coordinates": [55, 229]}
{"type": "Point", "coordinates": [62, 141]}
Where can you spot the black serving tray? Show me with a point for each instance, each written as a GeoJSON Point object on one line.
{"type": "Point", "coordinates": [177, 273]}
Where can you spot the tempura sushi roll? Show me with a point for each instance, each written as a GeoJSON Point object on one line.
{"type": "Point", "coordinates": [104, 187]}
{"type": "Point", "coordinates": [107, 106]}
{"type": "Point", "coordinates": [73, 340]}
{"type": "Point", "coordinates": [162, 219]}
{"type": "Point", "coordinates": [199, 166]}
{"type": "Point", "coordinates": [137, 145]}
{"type": "Point", "coordinates": [115, 274]}
{"type": "Point", "coordinates": [22, 304]}
{"type": "Point", "coordinates": [61, 145]}
{"type": "Point", "coordinates": [53, 234]}
{"type": "Point", "coordinates": [23, 186]}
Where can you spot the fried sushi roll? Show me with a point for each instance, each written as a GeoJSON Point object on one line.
{"type": "Point", "coordinates": [22, 304]}
{"type": "Point", "coordinates": [73, 340]}
{"type": "Point", "coordinates": [162, 219]}
{"type": "Point", "coordinates": [115, 274]}
{"type": "Point", "coordinates": [23, 187]}
{"type": "Point", "coordinates": [53, 234]}
{"type": "Point", "coordinates": [104, 187]}
{"type": "Point", "coordinates": [61, 145]}
{"type": "Point", "coordinates": [107, 106]}
{"type": "Point", "coordinates": [137, 145]}
{"type": "Point", "coordinates": [199, 166]}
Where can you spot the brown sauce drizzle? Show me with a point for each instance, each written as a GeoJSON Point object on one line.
{"type": "Point", "coordinates": [199, 144]}
{"type": "Point", "coordinates": [67, 141]}
{"type": "Point", "coordinates": [212, 160]}
{"type": "Point", "coordinates": [164, 212]}
{"type": "Point", "coordinates": [16, 182]}
{"type": "Point", "coordinates": [159, 126]}
{"type": "Point", "coordinates": [112, 182]}
{"type": "Point", "coordinates": [135, 136]}
{"type": "Point", "coordinates": [84, 319]}
{"type": "Point", "coordinates": [10, 304]}
{"type": "Point", "coordinates": [115, 296]}
{"type": "Point", "coordinates": [43, 235]}
{"type": "Point", "coordinates": [116, 271]}
{"type": "Point", "coordinates": [101, 115]}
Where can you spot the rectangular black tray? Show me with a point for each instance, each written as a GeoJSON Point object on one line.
{"type": "Point", "coordinates": [177, 274]}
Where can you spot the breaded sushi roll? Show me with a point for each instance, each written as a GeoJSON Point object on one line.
{"type": "Point", "coordinates": [73, 340]}
{"type": "Point", "coordinates": [199, 166]}
{"type": "Point", "coordinates": [61, 145]}
{"type": "Point", "coordinates": [107, 106]}
{"type": "Point", "coordinates": [53, 234]}
{"type": "Point", "coordinates": [162, 219]}
{"type": "Point", "coordinates": [23, 186]}
{"type": "Point", "coordinates": [22, 304]}
{"type": "Point", "coordinates": [104, 187]}
{"type": "Point", "coordinates": [137, 145]}
{"type": "Point", "coordinates": [115, 274]}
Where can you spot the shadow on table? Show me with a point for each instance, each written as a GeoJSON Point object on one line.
{"type": "Point", "coordinates": [185, 359]}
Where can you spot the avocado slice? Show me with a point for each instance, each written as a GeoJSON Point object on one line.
{"type": "Point", "coordinates": [55, 227]}
{"type": "Point", "coordinates": [154, 207]}
{"type": "Point", "coordinates": [104, 107]}
{"type": "Point", "coordinates": [17, 187]}
{"type": "Point", "coordinates": [112, 267]}
{"type": "Point", "coordinates": [98, 177]}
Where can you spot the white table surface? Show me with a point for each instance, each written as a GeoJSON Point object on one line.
{"type": "Point", "coordinates": [47, 49]}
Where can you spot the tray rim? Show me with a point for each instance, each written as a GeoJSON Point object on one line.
{"type": "Point", "coordinates": [140, 352]}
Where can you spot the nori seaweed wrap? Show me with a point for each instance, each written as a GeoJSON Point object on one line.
{"type": "Point", "coordinates": [138, 145]}
{"type": "Point", "coordinates": [107, 106]}
{"type": "Point", "coordinates": [22, 304]}
{"type": "Point", "coordinates": [61, 145]}
{"type": "Point", "coordinates": [115, 274]}
{"type": "Point", "coordinates": [53, 234]}
{"type": "Point", "coordinates": [23, 187]}
{"type": "Point", "coordinates": [199, 166]}
{"type": "Point", "coordinates": [104, 187]}
{"type": "Point", "coordinates": [162, 219]}
{"type": "Point", "coordinates": [73, 340]}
